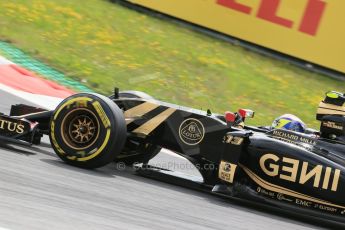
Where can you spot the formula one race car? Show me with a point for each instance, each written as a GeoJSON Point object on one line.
{"type": "Point", "coordinates": [272, 166]}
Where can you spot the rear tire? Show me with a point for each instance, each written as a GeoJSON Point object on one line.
{"type": "Point", "coordinates": [87, 130]}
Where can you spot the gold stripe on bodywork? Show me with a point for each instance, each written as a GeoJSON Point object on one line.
{"type": "Point", "coordinates": [282, 190]}
{"type": "Point", "coordinates": [28, 114]}
{"type": "Point", "coordinates": [152, 124]}
{"type": "Point", "coordinates": [138, 111]}
{"type": "Point", "coordinates": [330, 106]}
{"type": "Point", "coordinates": [325, 108]}
{"type": "Point", "coordinates": [329, 111]}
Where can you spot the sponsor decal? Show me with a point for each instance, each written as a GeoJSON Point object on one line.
{"type": "Point", "coordinates": [102, 114]}
{"type": "Point", "coordinates": [191, 131]}
{"type": "Point", "coordinates": [229, 139]}
{"type": "Point", "coordinates": [289, 169]}
{"type": "Point", "coordinates": [310, 204]}
{"type": "Point", "coordinates": [333, 125]}
{"type": "Point", "coordinates": [273, 195]}
{"type": "Point", "coordinates": [311, 25]}
{"type": "Point", "coordinates": [304, 203]}
{"type": "Point", "coordinates": [267, 10]}
{"type": "Point", "coordinates": [296, 201]}
{"type": "Point", "coordinates": [281, 196]}
{"type": "Point", "coordinates": [10, 126]}
{"type": "Point", "coordinates": [292, 138]}
{"type": "Point", "coordinates": [284, 194]}
{"type": "Point", "coordinates": [325, 208]}
{"type": "Point", "coordinates": [227, 171]}
{"type": "Point", "coordinates": [265, 192]}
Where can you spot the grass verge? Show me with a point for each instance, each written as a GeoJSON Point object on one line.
{"type": "Point", "coordinates": [106, 45]}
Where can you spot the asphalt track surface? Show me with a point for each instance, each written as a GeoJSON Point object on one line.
{"type": "Point", "coordinates": [39, 191]}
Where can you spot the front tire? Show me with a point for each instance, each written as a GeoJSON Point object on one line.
{"type": "Point", "coordinates": [87, 130]}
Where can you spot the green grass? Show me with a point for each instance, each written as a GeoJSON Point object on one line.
{"type": "Point", "coordinates": [107, 45]}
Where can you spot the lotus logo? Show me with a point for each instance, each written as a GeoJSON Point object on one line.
{"type": "Point", "coordinates": [191, 131]}
{"type": "Point", "coordinates": [192, 128]}
{"type": "Point", "coordinates": [10, 126]}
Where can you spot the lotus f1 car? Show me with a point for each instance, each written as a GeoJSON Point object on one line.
{"type": "Point", "coordinates": [276, 167]}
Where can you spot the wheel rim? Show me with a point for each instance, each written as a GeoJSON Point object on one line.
{"type": "Point", "coordinates": [80, 129]}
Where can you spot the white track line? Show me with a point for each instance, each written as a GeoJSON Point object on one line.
{"type": "Point", "coordinates": [4, 61]}
{"type": "Point", "coordinates": [45, 102]}
{"type": "Point", "coordinates": [50, 103]}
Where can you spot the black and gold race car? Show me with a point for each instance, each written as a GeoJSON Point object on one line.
{"type": "Point", "coordinates": [277, 167]}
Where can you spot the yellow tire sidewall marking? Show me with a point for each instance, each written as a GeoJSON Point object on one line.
{"type": "Point", "coordinates": [103, 117]}
{"type": "Point", "coordinates": [106, 140]}
{"type": "Point", "coordinates": [54, 142]}
{"type": "Point", "coordinates": [81, 100]}
{"type": "Point", "coordinates": [102, 114]}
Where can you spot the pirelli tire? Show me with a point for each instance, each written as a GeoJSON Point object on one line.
{"type": "Point", "coordinates": [87, 130]}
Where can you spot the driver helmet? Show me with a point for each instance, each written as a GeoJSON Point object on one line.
{"type": "Point", "coordinates": [289, 122]}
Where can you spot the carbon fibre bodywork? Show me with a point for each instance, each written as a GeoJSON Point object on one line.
{"type": "Point", "coordinates": [279, 167]}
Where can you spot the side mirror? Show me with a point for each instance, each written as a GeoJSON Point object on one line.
{"type": "Point", "coordinates": [246, 113]}
{"type": "Point", "coordinates": [230, 117]}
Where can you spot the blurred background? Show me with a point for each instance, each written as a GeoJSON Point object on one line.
{"type": "Point", "coordinates": [272, 56]}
